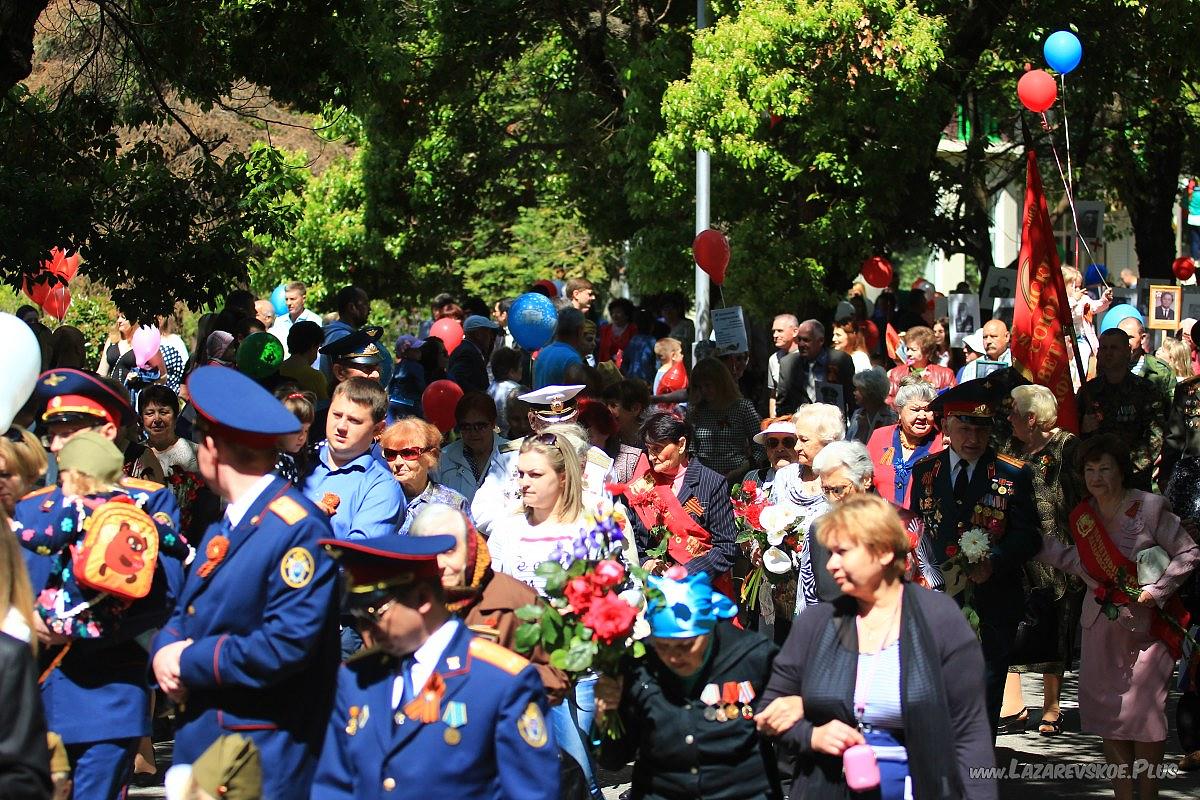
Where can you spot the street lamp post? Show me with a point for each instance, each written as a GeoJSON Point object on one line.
{"type": "Point", "coordinates": [702, 216]}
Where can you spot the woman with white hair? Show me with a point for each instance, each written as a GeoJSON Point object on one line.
{"type": "Point", "coordinates": [896, 448]}
{"type": "Point", "coordinates": [797, 486]}
{"type": "Point", "coordinates": [1050, 451]}
{"type": "Point", "coordinates": [845, 469]}
{"type": "Point", "coordinates": [871, 389]}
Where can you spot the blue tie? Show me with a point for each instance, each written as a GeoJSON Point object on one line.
{"type": "Point", "coordinates": [406, 671]}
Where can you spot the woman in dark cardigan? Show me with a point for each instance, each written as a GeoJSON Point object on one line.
{"type": "Point", "coordinates": [890, 664]}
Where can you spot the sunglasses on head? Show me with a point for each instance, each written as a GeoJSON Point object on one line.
{"type": "Point", "coordinates": [406, 453]}
{"type": "Point", "coordinates": [544, 439]}
{"type": "Point", "coordinates": [787, 441]}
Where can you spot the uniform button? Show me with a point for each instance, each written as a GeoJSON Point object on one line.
{"type": "Point", "coordinates": [191, 609]}
{"type": "Point", "coordinates": [389, 784]}
{"type": "Point", "coordinates": [689, 739]}
{"type": "Point", "coordinates": [695, 770]}
{"type": "Point", "coordinates": [688, 706]}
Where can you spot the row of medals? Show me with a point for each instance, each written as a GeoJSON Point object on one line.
{"type": "Point", "coordinates": [719, 710]}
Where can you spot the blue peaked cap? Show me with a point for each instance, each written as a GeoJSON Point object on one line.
{"type": "Point", "coordinates": [688, 607]}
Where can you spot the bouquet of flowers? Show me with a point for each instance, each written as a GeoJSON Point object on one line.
{"type": "Point", "coordinates": [593, 617]}
{"type": "Point", "coordinates": [973, 548]}
{"type": "Point", "coordinates": [775, 531]}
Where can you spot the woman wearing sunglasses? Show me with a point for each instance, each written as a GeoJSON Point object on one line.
{"type": "Point", "coordinates": [467, 463]}
{"type": "Point", "coordinates": [411, 447]}
{"type": "Point", "coordinates": [778, 439]}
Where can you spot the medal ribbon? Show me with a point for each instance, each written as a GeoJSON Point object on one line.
{"type": "Point", "coordinates": [456, 714]}
{"type": "Point", "coordinates": [729, 693]}
{"type": "Point", "coordinates": [746, 692]}
{"type": "Point", "coordinates": [711, 695]}
{"type": "Point", "coordinates": [427, 705]}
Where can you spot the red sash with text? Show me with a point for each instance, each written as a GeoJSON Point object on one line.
{"type": "Point", "coordinates": [1110, 568]}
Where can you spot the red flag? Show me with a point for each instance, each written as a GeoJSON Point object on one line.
{"type": "Point", "coordinates": [893, 343]}
{"type": "Point", "coordinates": [1043, 314]}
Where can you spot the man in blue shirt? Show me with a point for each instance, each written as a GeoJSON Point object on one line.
{"type": "Point", "coordinates": [566, 349]}
{"type": "Point", "coordinates": [355, 488]}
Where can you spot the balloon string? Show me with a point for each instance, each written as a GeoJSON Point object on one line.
{"type": "Point", "coordinates": [1071, 201]}
{"type": "Point", "coordinates": [1067, 133]}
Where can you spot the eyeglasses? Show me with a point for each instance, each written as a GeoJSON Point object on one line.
{"type": "Point", "coordinates": [371, 614]}
{"type": "Point", "coordinates": [788, 441]}
{"type": "Point", "coordinates": [475, 427]}
{"type": "Point", "coordinates": [836, 492]}
{"type": "Point", "coordinates": [407, 453]}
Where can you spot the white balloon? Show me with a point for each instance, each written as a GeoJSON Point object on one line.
{"type": "Point", "coordinates": [20, 364]}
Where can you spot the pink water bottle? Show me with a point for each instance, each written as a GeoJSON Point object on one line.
{"type": "Point", "coordinates": [862, 771]}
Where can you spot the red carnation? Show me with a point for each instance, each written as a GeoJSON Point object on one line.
{"type": "Point", "coordinates": [608, 573]}
{"type": "Point", "coordinates": [750, 487]}
{"type": "Point", "coordinates": [610, 618]}
{"type": "Point", "coordinates": [580, 593]}
{"type": "Point", "coordinates": [951, 550]}
{"type": "Point", "coordinates": [754, 515]}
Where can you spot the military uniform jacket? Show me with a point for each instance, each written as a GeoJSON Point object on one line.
{"type": "Point", "coordinates": [1182, 437]}
{"type": "Point", "coordinates": [1133, 410]}
{"type": "Point", "coordinates": [1000, 502]}
{"type": "Point", "coordinates": [99, 691]}
{"type": "Point", "coordinates": [488, 740]}
{"type": "Point", "coordinates": [260, 606]}
{"type": "Point", "coordinates": [678, 752]}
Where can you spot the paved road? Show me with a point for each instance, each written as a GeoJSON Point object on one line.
{"type": "Point", "coordinates": [1071, 747]}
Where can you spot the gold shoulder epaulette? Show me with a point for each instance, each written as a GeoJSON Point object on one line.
{"type": "Point", "coordinates": [497, 656]}
{"type": "Point", "coordinates": [1016, 462]}
{"type": "Point", "coordinates": [39, 492]}
{"type": "Point", "coordinates": [142, 485]}
{"type": "Point", "coordinates": [287, 509]}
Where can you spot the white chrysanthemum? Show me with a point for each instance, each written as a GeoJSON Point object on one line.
{"type": "Point", "coordinates": [777, 561]}
{"type": "Point", "coordinates": [974, 545]}
{"type": "Point", "coordinates": [641, 629]}
{"type": "Point", "coordinates": [777, 518]}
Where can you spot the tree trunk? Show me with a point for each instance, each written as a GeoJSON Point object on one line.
{"type": "Point", "coordinates": [1150, 189]}
{"type": "Point", "coordinates": [17, 19]}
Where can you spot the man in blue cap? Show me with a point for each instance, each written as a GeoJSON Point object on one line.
{"type": "Point", "coordinates": [430, 708]}
{"type": "Point", "coordinates": [353, 307]}
{"type": "Point", "coordinates": [356, 354]}
{"type": "Point", "coordinates": [971, 486]}
{"type": "Point", "coordinates": [252, 643]}
{"type": "Point", "coordinates": [96, 698]}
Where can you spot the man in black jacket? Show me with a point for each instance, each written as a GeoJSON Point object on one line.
{"type": "Point", "coordinates": [468, 362]}
{"type": "Point", "coordinates": [812, 363]}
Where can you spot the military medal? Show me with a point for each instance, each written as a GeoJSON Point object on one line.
{"type": "Point", "coordinates": [729, 696]}
{"type": "Point", "coordinates": [352, 723]}
{"type": "Point", "coordinates": [455, 717]}
{"type": "Point", "coordinates": [710, 697]}
{"type": "Point", "coordinates": [746, 693]}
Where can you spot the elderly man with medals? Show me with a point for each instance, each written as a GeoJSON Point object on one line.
{"type": "Point", "coordinates": [969, 495]}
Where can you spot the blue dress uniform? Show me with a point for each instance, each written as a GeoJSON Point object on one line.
{"type": "Point", "coordinates": [259, 607]}
{"type": "Point", "coordinates": [97, 699]}
{"type": "Point", "coordinates": [476, 729]}
{"type": "Point", "coordinates": [999, 500]}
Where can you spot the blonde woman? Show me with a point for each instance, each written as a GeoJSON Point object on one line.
{"type": "Point", "coordinates": [22, 463]}
{"type": "Point", "coordinates": [1176, 355]}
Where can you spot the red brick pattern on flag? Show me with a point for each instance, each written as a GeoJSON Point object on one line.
{"type": "Point", "coordinates": [1043, 313]}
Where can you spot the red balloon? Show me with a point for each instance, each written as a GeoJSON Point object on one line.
{"type": "Point", "coordinates": [1183, 268]}
{"type": "Point", "coordinates": [439, 401]}
{"type": "Point", "coordinates": [877, 271]}
{"type": "Point", "coordinates": [57, 302]}
{"type": "Point", "coordinates": [711, 251]}
{"type": "Point", "coordinates": [1037, 90]}
{"type": "Point", "coordinates": [61, 264]}
{"type": "Point", "coordinates": [449, 330]}
{"type": "Point", "coordinates": [38, 286]}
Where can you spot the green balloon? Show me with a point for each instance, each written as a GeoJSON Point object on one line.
{"type": "Point", "coordinates": [259, 355]}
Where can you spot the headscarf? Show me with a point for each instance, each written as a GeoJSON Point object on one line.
{"type": "Point", "coordinates": [215, 346]}
{"type": "Point", "coordinates": [688, 607]}
{"type": "Point", "coordinates": [477, 573]}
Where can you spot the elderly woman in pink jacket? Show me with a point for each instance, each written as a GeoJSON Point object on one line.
{"type": "Point", "coordinates": [1133, 554]}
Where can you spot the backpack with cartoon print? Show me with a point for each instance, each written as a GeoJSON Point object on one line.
{"type": "Point", "coordinates": [119, 551]}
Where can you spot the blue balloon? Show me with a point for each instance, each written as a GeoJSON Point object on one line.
{"type": "Point", "coordinates": [1118, 313]}
{"type": "Point", "coordinates": [1063, 51]}
{"type": "Point", "coordinates": [1095, 275]}
{"type": "Point", "coordinates": [532, 318]}
{"type": "Point", "coordinates": [278, 302]}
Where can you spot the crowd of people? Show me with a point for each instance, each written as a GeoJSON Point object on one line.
{"type": "Point", "coordinates": [263, 546]}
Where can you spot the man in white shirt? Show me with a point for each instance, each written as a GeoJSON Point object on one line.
{"type": "Point", "coordinates": [294, 294]}
{"type": "Point", "coordinates": [995, 349]}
